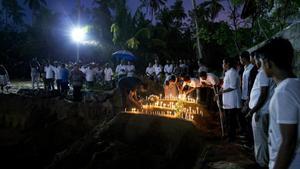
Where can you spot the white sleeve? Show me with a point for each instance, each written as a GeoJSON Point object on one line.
{"type": "Point", "coordinates": [263, 79]}
{"type": "Point", "coordinates": [233, 78]}
{"type": "Point", "coordinates": [286, 108]}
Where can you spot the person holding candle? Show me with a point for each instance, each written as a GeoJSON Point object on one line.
{"type": "Point", "coordinates": [129, 88]}
{"type": "Point", "coordinates": [170, 87]}
{"type": "Point", "coordinates": [191, 83]}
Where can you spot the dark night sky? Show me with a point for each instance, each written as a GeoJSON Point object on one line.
{"type": "Point", "coordinates": [66, 6]}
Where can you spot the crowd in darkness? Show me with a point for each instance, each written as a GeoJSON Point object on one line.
{"type": "Point", "coordinates": [259, 94]}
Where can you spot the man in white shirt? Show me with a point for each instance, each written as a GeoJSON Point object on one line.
{"type": "Point", "coordinates": [192, 83]}
{"type": "Point", "coordinates": [168, 68]}
{"type": "Point", "coordinates": [49, 70]}
{"type": "Point", "coordinates": [158, 70]}
{"type": "Point", "coordinates": [284, 131]}
{"type": "Point", "coordinates": [130, 68]}
{"type": "Point", "coordinates": [57, 76]}
{"type": "Point", "coordinates": [260, 96]}
{"type": "Point", "coordinates": [89, 76]}
{"type": "Point", "coordinates": [108, 73]}
{"type": "Point", "coordinates": [210, 82]}
{"type": "Point", "coordinates": [231, 97]}
{"type": "Point", "coordinates": [121, 69]}
{"type": "Point", "coordinates": [150, 72]}
{"type": "Point", "coordinates": [247, 83]}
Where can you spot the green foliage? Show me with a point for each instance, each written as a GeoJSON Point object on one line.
{"type": "Point", "coordinates": [12, 10]}
{"type": "Point", "coordinates": [116, 32]}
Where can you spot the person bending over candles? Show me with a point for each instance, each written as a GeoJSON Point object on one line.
{"type": "Point", "coordinates": [129, 88]}
{"type": "Point", "coordinates": [192, 83]}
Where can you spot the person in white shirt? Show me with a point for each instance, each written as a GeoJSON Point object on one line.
{"type": "Point", "coordinates": [248, 78]}
{"type": "Point", "coordinates": [130, 69]}
{"type": "Point", "coordinates": [208, 79]}
{"type": "Point", "coordinates": [35, 68]}
{"type": "Point", "coordinates": [210, 82]}
{"type": "Point", "coordinates": [157, 70]}
{"type": "Point", "coordinates": [231, 96]}
{"type": "Point", "coordinates": [57, 76]}
{"type": "Point", "coordinates": [108, 73]}
{"type": "Point", "coordinates": [49, 70]}
{"type": "Point", "coordinates": [192, 83]}
{"type": "Point", "coordinates": [168, 68]}
{"type": "Point", "coordinates": [89, 76]}
{"type": "Point", "coordinates": [150, 72]}
{"type": "Point", "coordinates": [284, 131]}
{"type": "Point", "coordinates": [260, 96]}
{"type": "Point", "coordinates": [121, 69]}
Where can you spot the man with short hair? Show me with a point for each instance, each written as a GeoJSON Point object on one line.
{"type": "Point", "coordinates": [192, 83]}
{"type": "Point", "coordinates": [64, 74]}
{"type": "Point", "coordinates": [168, 68]}
{"type": "Point", "coordinates": [108, 73]}
{"type": "Point", "coordinates": [284, 132]}
{"type": "Point", "coordinates": [89, 76]}
{"type": "Point", "coordinates": [77, 78]}
{"type": "Point", "coordinates": [49, 70]}
{"type": "Point", "coordinates": [260, 96]}
{"type": "Point", "coordinates": [231, 97]}
{"type": "Point", "coordinates": [247, 83]}
{"type": "Point", "coordinates": [150, 72]}
{"type": "Point", "coordinates": [130, 68]}
{"type": "Point", "coordinates": [210, 82]}
{"type": "Point", "coordinates": [121, 69]}
{"type": "Point", "coordinates": [57, 75]}
{"type": "Point", "coordinates": [35, 66]}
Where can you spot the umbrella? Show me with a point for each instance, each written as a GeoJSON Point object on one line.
{"type": "Point", "coordinates": [124, 54]}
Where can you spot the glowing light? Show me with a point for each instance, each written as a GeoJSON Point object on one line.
{"type": "Point", "coordinates": [78, 34]}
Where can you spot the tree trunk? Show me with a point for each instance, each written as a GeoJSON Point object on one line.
{"type": "Point", "coordinates": [199, 47]}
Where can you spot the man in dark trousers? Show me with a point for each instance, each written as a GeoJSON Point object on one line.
{"type": "Point", "coordinates": [129, 88]}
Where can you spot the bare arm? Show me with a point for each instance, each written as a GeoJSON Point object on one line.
{"type": "Point", "coordinates": [261, 100]}
{"type": "Point", "coordinates": [287, 146]}
{"type": "Point", "coordinates": [132, 98]}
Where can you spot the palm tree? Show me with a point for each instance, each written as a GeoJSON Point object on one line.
{"type": "Point", "coordinates": [154, 5]}
{"type": "Point", "coordinates": [12, 10]}
{"type": "Point", "coordinates": [35, 5]}
{"type": "Point", "coordinates": [213, 7]}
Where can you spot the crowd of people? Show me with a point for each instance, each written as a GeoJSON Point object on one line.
{"type": "Point", "coordinates": [259, 94]}
{"type": "Point", "coordinates": [260, 98]}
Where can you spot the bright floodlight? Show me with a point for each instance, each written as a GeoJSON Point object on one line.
{"type": "Point", "coordinates": [78, 34]}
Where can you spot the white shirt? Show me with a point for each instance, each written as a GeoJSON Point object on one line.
{"type": "Point", "coordinates": [89, 74]}
{"type": "Point", "coordinates": [284, 109]}
{"type": "Point", "coordinates": [121, 69]}
{"type": "Point", "coordinates": [150, 70]}
{"type": "Point", "coordinates": [57, 72]}
{"type": "Point", "coordinates": [261, 80]}
{"type": "Point", "coordinates": [157, 69]}
{"type": "Point", "coordinates": [168, 68]}
{"type": "Point", "coordinates": [49, 72]}
{"type": "Point", "coordinates": [245, 81]}
{"type": "Point", "coordinates": [194, 83]}
{"type": "Point", "coordinates": [108, 74]}
{"type": "Point", "coordinates": [231, 99]}
{"type": "Point", "coordinates": [211, 79]}
{"type": "Point", "coordinates": [130, 70]}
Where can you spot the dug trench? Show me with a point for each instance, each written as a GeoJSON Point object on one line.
{"type": "Point", "coordinates": [55, 134]}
